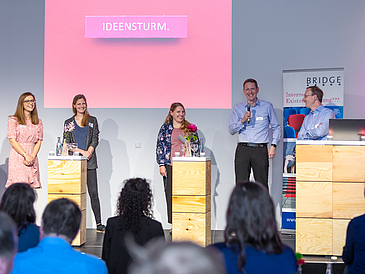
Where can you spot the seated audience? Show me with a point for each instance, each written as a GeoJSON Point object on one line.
{"type": "Point", "coordinates": [8, 243]}
{"type": "Point", "coordinates": [175, 258]}
{"type": "Point", "coordinates": [54, 253]}
{"type": "Point", "coordinates": [134, 217]}
{"type": "Point", "coordinates": [353, 253]}
{"type": "Point", "coordinates": [252, 243]}
{"type": "Point", "coordinates": [17, 202]}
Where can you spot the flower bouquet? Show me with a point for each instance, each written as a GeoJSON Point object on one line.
{"type": "Point", "coordinates": [67, 129]}
{"type": "Point", "coordinates": [190, 138]}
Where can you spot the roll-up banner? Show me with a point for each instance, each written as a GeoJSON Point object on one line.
{"type": "Point", "coordinates": [295, 82]}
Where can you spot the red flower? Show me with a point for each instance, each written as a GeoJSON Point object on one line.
{"type": "Point", "coordinates": [192, 128]}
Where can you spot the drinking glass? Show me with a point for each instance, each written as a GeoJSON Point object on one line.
{"type": "Point", "coordinates": [182, 148]}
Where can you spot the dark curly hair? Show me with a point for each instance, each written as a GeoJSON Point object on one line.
{"type": "Point", "coordinates": [17, 202]}
{"type": "Point", "coordinates": [251, 221]}
{"type": "Point", "coordinates": [134, 202]}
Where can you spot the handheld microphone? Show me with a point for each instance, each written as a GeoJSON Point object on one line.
{"type": "Point", "coordinates": [248, 109]}
{"type": "Point", "coordinates": [181, 139]}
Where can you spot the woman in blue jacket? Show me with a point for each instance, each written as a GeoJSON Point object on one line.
{"type": "Point", "coordinates": [167, 144]}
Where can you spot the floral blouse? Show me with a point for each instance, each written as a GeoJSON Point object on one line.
{"type": "Point", "coordinates": [163, 146]}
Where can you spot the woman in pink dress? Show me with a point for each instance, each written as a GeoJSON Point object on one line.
{"type": "Point", "coordinates": [25, 132]}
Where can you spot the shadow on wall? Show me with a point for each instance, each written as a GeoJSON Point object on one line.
{"type": "Point", "coordinates": [4, 154]}
{"type": "Point", "coordinates": [215, 177]}
{"type": "Point", "coordinates": [113, 166]}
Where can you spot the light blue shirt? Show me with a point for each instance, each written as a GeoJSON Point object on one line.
{"type": "Point", "coordinates": [55, 255]}
{"type": "Point", "coordinates": [257, 131]}
{"type": "Point", "coordinates": [316, 124]}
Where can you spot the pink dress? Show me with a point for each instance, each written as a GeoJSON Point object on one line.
{"type": "Point", "coordinates": [27, 136]}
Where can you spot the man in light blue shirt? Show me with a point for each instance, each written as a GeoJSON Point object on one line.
{"type": "Point", "coordinates": [316, 124]}
{"type": "Point", "coordinates": [54, 253]}
{"type": "Point", "coordinates": [252, 120]}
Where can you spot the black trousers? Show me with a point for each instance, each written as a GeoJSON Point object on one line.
{"type": "Point", "coordinates": [92, 187]}
{"type": "Point", "coordinates": [168, 192]}
{"type": "Point", "coordinates": [256, 158]}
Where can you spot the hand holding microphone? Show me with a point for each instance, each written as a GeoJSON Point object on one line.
{"type": "Point", "coordinates": [247, 116]}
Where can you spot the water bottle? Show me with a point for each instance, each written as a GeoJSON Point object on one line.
{"type": "Point", "coordinates": [59, 147]}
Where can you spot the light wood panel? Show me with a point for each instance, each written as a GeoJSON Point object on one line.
{"type": "Point", "coordinates": [197, 204]}
{"type": "Point", "coordinates": [81, 235]}
{"type": "Point", "coordinates": [80, 200]}
{"type": "Point", "coordinates": [67, 179]}
{"type": "Point", "coordinates": [349, 163]}
{"type": "Point", "coordinates": [348, 200]}
{"type": "Point", "coordinates": [314, 236]}
{"type": "Point", "coordinates": [192, 227]}
{"type": "Point", "coordinates": [339, 235]}
{"type": "Point", "coordinates": [314, 199]}
{"type": "Point", "coordinates": [191, 178]}
{"type": "Point", "coordinates": [65, 176]}
{"type": "Point", "coordinates": [314, 163]}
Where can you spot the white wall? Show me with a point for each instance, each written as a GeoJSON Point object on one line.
{"type": "Point", "coordinates": [268, 37]}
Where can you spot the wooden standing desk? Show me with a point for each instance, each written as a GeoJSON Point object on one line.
{"type": "Point", "coordinates": [67, 179]}
{"type": "Point", "coordinates": [330, 192]}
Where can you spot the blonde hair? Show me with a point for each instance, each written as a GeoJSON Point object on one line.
{"type": "Point", "coordinates": [169, 118]}
{"type": "Point", "coordinates": [19, 112]}
{"type": "Point", "coordinates": [86, 113]}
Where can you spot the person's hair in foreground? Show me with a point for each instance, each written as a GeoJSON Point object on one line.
{"type": "Point", "coordinates": [62, 217]}
{"type": "Point", "coordinates": [251, 221]}
{"type": "Point", "coordinates": [134, 202]}
{"type": "Point", "coordinates": [17, 202]}
{"type": "Point", "coordinates": [174, 258]}
{"type": "Point", "coordinates": [8, 243]}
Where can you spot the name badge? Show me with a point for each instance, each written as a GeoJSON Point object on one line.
{"type": "Point", "coordinates": [23, 126]}
{"type": "Point", "coordinates": [259, 118]}
{"type": "Point", "coordinates": [91, 125]}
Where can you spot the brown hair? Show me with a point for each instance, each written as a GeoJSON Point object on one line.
{"type": "Point", "coordinates": [86, 113]}
{"type": "Point", "coordinates": [250, 80]}
{"type": "Point", "coordinates": [316, 91]}
{"type": "Point", "coordinates": [19, 112]}
{"type": "Point", "coordinates": [168, 119]}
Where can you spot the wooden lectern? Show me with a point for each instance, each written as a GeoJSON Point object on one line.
{"type": "Point", "coordinates": [191, 199]}
{"type": "Point", "coordinates": [67, 179]}
{"type": "Point", "coordinates": [330, 192]}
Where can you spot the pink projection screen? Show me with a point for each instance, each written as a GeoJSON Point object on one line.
{"type": "Point", "coordinates": [138, 54]}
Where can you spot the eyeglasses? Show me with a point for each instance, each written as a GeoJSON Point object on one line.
{"type": "Point", "coordinates": [29, 101]}
{"type": "Point", "coordinates": [305, 96]}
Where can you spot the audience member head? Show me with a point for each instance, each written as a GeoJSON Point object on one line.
{"type": "Point", "coordinates": [8, 243]}
{"type": "Point", "coordinates": [251, 221]}
{"type": "Point", "coordinates": [174, 258]}
{"type": "Point", "coordinates": [17, 202]}
{"type": "Point", "coordinates": [135, 201]}
{"type": "Point", "coordinates": [61, 218]}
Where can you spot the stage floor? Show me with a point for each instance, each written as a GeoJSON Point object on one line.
{"type": "Point", "coordinates": [314, 265]}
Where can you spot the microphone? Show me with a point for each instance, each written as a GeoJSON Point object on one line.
{"type": "Point", "coordinates": [181, 139]}
{"type": "Point", "coordinates": [248, 109]}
